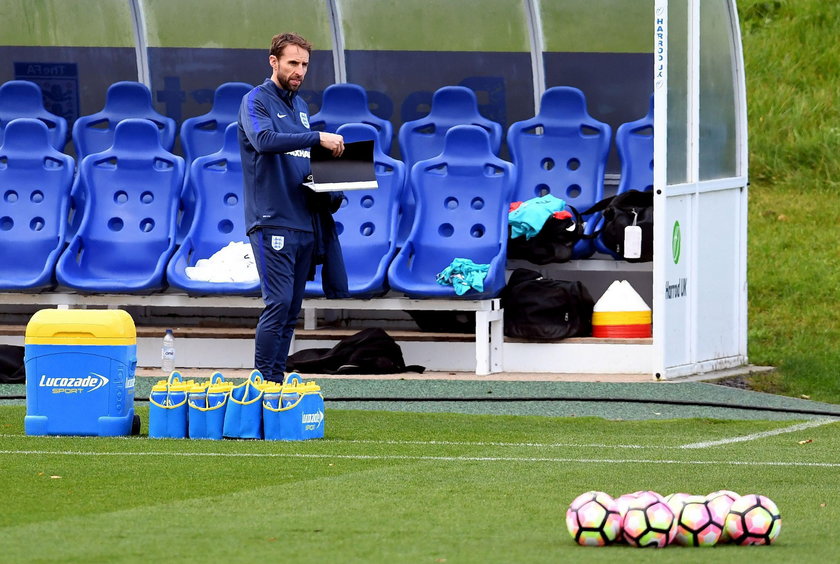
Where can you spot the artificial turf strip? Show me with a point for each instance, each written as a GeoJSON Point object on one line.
{"type": "Point", "coordinates": [396, 487]}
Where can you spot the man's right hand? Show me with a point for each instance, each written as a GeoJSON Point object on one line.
{"type": "Point", "coordinates": [332, 142]}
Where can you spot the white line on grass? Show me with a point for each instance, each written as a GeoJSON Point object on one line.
{"type": "Point", "coordinates": [743, 438]}
{"type": "Point", "coordinates": [763, 434]}
{"type": "Point", "coordinates": [406, 442]}
{"type": "Point", "coordinates": [426, 458]}
{"type": "Point", "coordinates": [492, 444]}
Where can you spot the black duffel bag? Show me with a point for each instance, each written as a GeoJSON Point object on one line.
{"type": "Point", "coordinates": [544, 309]}
{"type": "Point", "coordinates": [620, 211]}
{"type": "Point", "coordinates": [554, 242]}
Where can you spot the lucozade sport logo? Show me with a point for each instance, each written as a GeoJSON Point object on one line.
{"type": "Point", "coordinates": [317, 418]}
{"type": "Point", "coordinates": [92, 382]}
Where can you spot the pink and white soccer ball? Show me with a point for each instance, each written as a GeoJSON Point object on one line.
{"type": "Point", "coordinates": [624, 501]}
{"type": "Point", "coordinates": [696, 525]}
{"type": "Point", "coordinates": [648, 522]}
{"type": "Point", "coordinates": [676, 500]}
{"type": "Point", "coordinates": [753, 519]}
{"type": "Point", "coordinates": [593, 519]}
{"type": "Point", "coordinates": [646, 494]}
{"type": "Point", "coordinates": [719, 503]}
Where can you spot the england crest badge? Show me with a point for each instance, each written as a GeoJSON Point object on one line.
{"type": "Point", "coordinates": [304, 119]}
{"type": "Point", "coordinates": [277, 242]}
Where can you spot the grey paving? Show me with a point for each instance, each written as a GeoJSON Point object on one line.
{"type": "Point", "coordinates": [610, 400]}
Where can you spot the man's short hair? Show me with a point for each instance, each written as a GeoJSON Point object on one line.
{"type": "Point", "coordinates": [279, 42]}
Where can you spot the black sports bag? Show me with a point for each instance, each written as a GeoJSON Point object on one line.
{"type": "Point", "coordinates": [554, 242]}
{"type": "Point", "coordinates": [620, 211]}
{"type": "Point", "coordinates": [544, 309]}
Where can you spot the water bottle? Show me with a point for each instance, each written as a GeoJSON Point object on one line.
{"type": "Point", "coordinates": [167, 352]}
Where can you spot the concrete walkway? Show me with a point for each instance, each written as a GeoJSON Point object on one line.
{"type": "Point", "coordinates": [204, 373]}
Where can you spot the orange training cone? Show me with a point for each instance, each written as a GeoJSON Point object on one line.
{"type": "Point", "coordinates": [621, 313]}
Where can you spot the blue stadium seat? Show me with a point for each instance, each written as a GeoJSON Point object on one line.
{"type": "Point", "coordinates": [462, 208]}
{"type": "Point", "coordinates": [634, 142]}
{"type": "Point", "coordinates": [367, 222]}
{"type": "Point", "coordinates": [124, 100]}
{"type": "Point", "coordinates": [562, 151]}
{"type": "Point", "coordinates": [205, 134]}
{"type": "Point", "coordinates": [36, 180]}
{"type": "Point", "coordinates": [424, 138]}
{"type": "Point", "coordinates": [348, 103]}
{"type": "Point", "coordinates": [23, 99]}
{"type": "Point", "coordinates": [127, 231]}
{"type": "Point", "coordinates": [219, 219]}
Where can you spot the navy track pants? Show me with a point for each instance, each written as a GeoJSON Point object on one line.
{"type": "Point", "coordinates": [283, 258]}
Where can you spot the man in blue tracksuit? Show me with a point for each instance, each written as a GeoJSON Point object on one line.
{"type": "Point", "coordinates": [274, 140]}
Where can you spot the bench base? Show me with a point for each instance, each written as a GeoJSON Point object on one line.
{"type": "Point", "coordinates": [489, 338]}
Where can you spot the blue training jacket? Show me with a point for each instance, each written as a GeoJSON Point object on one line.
{"type": "Point", "coordinates": [274, 141]}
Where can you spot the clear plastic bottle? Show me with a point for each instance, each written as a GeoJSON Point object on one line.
{"type": "Point", "coordinates": [167, 352]}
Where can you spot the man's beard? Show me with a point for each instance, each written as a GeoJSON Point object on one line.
{"type": "Point", "coordinates": [286, 85]}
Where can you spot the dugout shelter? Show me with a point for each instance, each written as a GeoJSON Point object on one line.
{"type": "Point", "coordinates": [685, 54]}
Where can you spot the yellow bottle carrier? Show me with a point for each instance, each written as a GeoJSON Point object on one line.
{"type": "Point", "coordinates": [168, 407]}
{"type": "Point", "coordinates": [293, 411]}
{"type": "Point", "coordinates": [207, 404]}
{"type": "Point", "coordinates": [80, 368]}
{"type": "Point", "coordinates": [243, 415]}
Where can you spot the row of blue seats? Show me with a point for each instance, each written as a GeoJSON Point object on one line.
{"type": "Point", "coordinates": [537, 136]}
{"type": "Point", "coordinates": [200, 135]}
{"type": "Point", "coordinates": [562, 150]}
{"type": "Point", "coordinates": [126, 238]}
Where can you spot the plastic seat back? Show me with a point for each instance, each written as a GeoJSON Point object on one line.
{"type": "Point", "coordinates": [216, 180]}
{"type": "Point", "coordinates": [462, 208]}
{"type": "Point", "coordinates": [24, 99]}
{"type": "Point", "coordinates": [348, 103]}
{"type": "Point", "coordinates": [451, 105]}
{"type": "Point", "coordinates": [205, 134]}
{"type": "Point", "coordinates": [127, 231]}
{"type": "Point", "coordinates": [634, 142]}
{"type": "Point", "coordinates": [561, 151]}
{"type": "Point", "coordinates": [424, 138]}
{"type": "Point", "coordinates": [124, 100]}
{"type": "Point", "coordinates": [36, 181]}
{"type": "Point", "coordinates": [367, 222]}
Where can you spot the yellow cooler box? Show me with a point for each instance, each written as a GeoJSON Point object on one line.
{"type": "Point", "coordinates": [80, 373]}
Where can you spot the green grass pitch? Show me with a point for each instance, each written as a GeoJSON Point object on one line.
{"type": "Point", "coordinates": [402, 487]}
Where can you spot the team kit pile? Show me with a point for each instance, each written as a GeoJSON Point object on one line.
{"type": "Point", "coordinates": [647, 519]}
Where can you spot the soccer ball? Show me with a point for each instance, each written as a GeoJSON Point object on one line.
{"type": "Point", "coordinates": [648, 522]}
{"type": "Point", "coordinates": [624, 501]}
{"type": "Point", "coordinates": [676, 501]}
{"type": "Point", "coordinates": [593, 519]}
{"type": "Point", "coordinates": [719, 503]}
{"type": "Point", "coordinates": [647, 494]}
{"type": "Point", "coordinates": [696, 525]}
{"type": "Point", "coordinates": [753, 519]}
